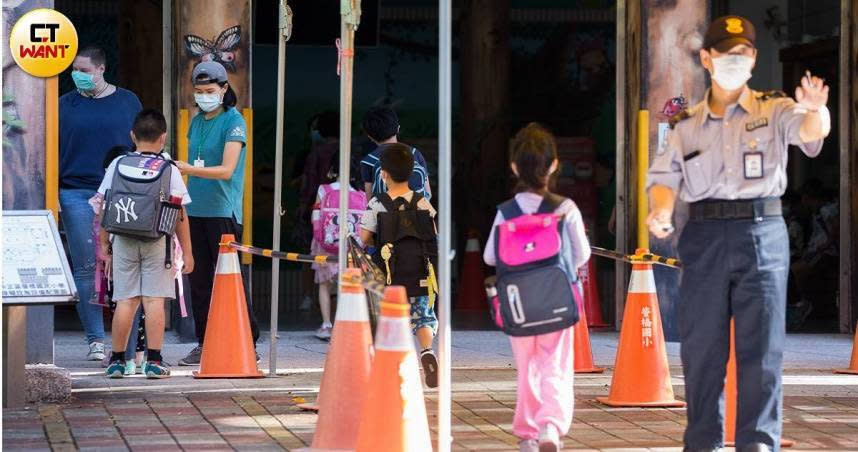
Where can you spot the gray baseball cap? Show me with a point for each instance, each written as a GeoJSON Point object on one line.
{"type": "Point", "coordinates": [211, 71]}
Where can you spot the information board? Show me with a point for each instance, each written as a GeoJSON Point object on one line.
{"type": "Point", "coordinates": [35, 268]}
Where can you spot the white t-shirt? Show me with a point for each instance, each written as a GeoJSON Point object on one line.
{"type": "Point", "coordinates": [177, 184]}
{"type": "Point", "coordinates": [369, 221]}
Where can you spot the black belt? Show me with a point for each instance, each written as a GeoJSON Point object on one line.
{"type": "Point", "coordinates": [716, 209]}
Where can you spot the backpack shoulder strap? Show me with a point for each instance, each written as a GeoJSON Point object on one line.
{"type": "Point", "coordinates": [415, 200]}
{"type": "Point", "coordinates": [550, 203]}
{"type": "Point", "coordinates": [510, 209]}
{"type": "Point", "coordinates": [387, 202]}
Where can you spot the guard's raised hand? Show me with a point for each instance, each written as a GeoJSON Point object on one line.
{"type": "Point", "coordinates": [813, 92]}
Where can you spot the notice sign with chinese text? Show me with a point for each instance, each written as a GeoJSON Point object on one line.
{"type": "Point", "coordinates": [35, 268]}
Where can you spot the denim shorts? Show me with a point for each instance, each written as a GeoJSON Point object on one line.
{"type": "Point", "coordinates": [422, 316]}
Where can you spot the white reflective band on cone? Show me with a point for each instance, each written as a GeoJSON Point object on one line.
{"type": "Point", "coordinates": [227, 264]}
{"type": "Point", "coordinates": [394, 334]}
{"type": "Point", "coordinates": [352, 308]}
{"type": "Point", "coordinates": [642, 282]}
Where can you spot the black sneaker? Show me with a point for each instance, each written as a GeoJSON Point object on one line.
{"type": "Point", "coordinates": [193, 358]}
{"type": "Point", "coordinates": [430, 367]}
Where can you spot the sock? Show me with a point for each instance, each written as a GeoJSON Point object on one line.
{"type": "Point", "coordinates": [117, 356]}
{"type": "Point", "coordinates": [153, 355]}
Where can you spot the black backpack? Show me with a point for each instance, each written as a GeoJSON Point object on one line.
{"type": "Point", "coordinates": [406, 244]}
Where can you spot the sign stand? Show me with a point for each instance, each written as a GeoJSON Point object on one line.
{"type": "Point", "coordinates": [35, 273]}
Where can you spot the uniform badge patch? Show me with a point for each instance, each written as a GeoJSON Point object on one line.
{"type": "Point", "coordinates": [734, 26]}
{"type": "Point", "coordinates": [756, 124]}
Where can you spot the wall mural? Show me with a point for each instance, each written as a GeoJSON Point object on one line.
{"type": "Point", "coordinates": [674, 79]}
{"type": "Point", "coordinates": [23, 121]}
{"type": "Point", "coordinates": [221, 49]}
{"type": "Point", "coordinates": [219, 34]}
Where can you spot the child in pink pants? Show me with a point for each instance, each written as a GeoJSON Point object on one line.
{"type": "Point", "coordinates": [543, 410]}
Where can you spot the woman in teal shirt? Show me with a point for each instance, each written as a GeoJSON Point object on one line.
{"type": "Point", "coordinates": [216, 148]}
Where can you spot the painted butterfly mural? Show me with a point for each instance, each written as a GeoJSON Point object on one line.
{"type": "Point", "coordinates": [221, 49]}
{"type": "Point", "coordinates": [673, 106]}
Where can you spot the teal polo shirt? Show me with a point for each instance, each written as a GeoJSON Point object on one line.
{"type": "Point", "coordinates": [206, 141]}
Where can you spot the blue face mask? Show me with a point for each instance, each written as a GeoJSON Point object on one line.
{"type": "Point", "coordinates": [208, 102]}
{"type": "Point", "coordinates": [83, 81]}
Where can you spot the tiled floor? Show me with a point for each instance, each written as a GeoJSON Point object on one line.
{"type": "Point", "coordinates": [181, 413]}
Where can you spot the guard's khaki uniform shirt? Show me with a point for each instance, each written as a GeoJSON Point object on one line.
{"type": "Point", "coordinates": [742, 155]}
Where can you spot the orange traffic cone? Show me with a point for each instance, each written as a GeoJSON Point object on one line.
{"type": "Point", "coordinates": [641, 350]}
{"type": "Point", "coordinates": [592, 305]}
{"type": "Point", "coordinates": [853, 365]}
{"type": "Point", "coordinates": [731, 395]}
{"type": "Point", "coordinates": [228, 350]}
{"type": "Point", "coordinates": [347, 367]}
{"type": "Point", "coordinates": [471, 295]}
{"type": "Point", "coordinates": [394, 412]}
{"type": "Point", "coordinates": [583, 351]}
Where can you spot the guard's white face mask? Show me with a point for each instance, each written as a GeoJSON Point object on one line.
{"type": "Point", "coordinates": [732, 71]}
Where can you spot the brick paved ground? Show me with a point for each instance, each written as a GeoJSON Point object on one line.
{"type": "Point", "coordinates": [821, 409]}
{"type": "Point", "coordinates": [821, 414]}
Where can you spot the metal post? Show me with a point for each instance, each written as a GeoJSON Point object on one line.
{"type": "Point", "coordinates": [620, 275]}
{"type": "Point", "coordinates": [349, 19]}
{"type": "Point", "coordinates": [285, 15]}
{"type": "Point", "coordinates": [445, 23]}
{"type": "Point", "coordinates": [643, 166]}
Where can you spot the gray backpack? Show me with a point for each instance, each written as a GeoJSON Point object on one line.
{"type": "Point", "coordinates": [138, 204]}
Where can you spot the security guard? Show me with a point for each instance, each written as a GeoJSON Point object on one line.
{"type": "Point", "coordinates": [727, 157]}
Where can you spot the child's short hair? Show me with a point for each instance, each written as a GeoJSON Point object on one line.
{"type": "Point", "coordinates": [533, 152]}
{"type": "Point", "coordinates": [380, 123]}
{"type": "Point", "coordinates": [149, 125]}
{"type": "Point", "coordinates": [397, 160]}
{"type": "Point", "coordinates": [113, 153]}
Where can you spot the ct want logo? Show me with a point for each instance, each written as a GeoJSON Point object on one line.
{"type": "Point", "coordinates": [734, 26]}
{"type": "Point", "coordinates": [43, 42]}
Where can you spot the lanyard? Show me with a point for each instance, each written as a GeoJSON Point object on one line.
{"type": "Point", "coordinates": [205, 132]}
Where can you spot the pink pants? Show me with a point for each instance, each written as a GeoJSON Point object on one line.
{"type": "Point", "coordinates": [545, 377]}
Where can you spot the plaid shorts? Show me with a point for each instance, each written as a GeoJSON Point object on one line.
{"type": "Point", "coordinates": [422, 316]}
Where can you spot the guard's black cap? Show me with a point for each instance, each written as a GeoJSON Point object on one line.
{"type": "Point", "coordinates": [727, 32]}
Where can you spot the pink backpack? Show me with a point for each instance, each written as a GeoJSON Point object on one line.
{"type": "Point", "coordinates": [326, 225]}
{"type": "Point", "coordinates": [535, 293]}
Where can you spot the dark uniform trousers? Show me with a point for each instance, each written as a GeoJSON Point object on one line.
{"type": "Point", "coordinates": [205, 241]}
{"type": "Point", "coordinates": [738, 268]}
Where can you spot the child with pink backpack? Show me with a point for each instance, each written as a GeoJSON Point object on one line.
{"type": "Point", "coordinates": [326, 230]}
{"type": "Point", "coordinates": [537, 244]}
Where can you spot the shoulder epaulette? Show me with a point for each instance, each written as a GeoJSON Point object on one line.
{"type": "Point", "coordinates": [679, 117]}
{"type": "Point", "coordinates": [774, 94]}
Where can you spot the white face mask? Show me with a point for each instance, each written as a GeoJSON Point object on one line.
{"type": "Point", "coordinates": [732, 71]}
{"type": "Point", "coordinates": [208, 102]}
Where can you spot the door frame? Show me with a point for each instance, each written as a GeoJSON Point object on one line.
{"type": "Point", "coordinates": [848, 169]}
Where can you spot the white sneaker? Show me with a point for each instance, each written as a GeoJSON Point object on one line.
{"type": "Point", "coordinates": [528, 445]}
{"type": "Point", "coordinates": [324, 332]}
{"type": "Point", "coordinates": [96, 352]}
{"type": "Point", "coordinates": [549, 439]}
